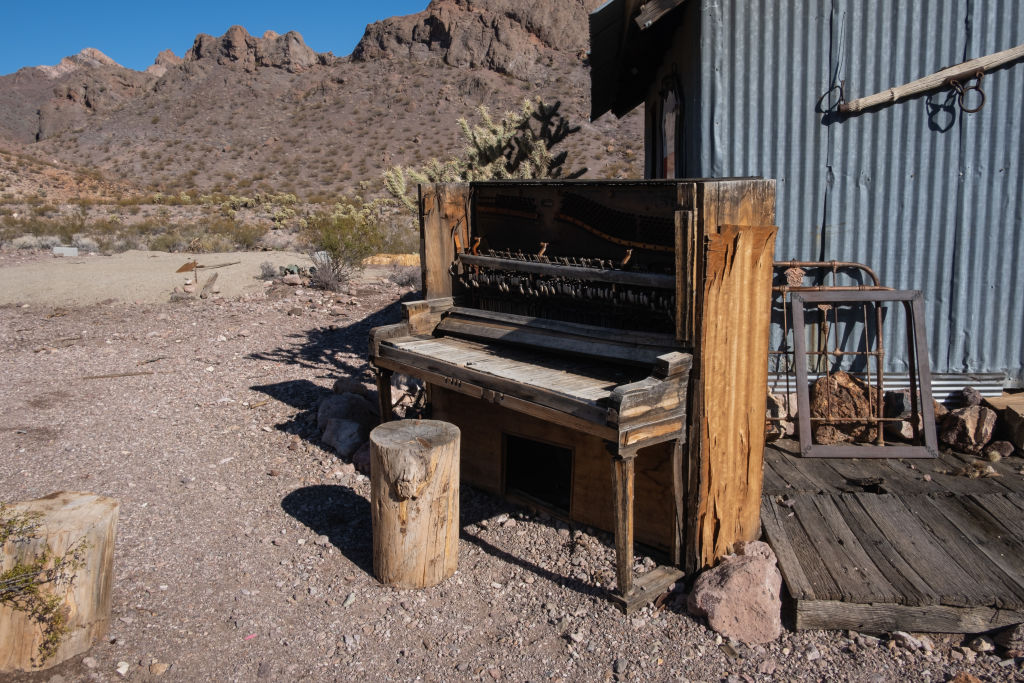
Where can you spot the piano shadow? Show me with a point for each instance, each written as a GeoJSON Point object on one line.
{"type": "Point", "coordinates": [343, 516]}
{"type": "Point", "coordinates": [331, 348]}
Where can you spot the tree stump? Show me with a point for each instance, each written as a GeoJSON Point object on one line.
{"type": "Point", "coordinates": [414, 494]}
{"type": "Point", "coordinates": [67, 518]}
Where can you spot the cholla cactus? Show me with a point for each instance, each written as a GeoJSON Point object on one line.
{"type": "Point", "coordinates": [516, 147]}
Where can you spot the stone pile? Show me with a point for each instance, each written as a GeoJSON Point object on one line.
{"type": "Point", "coordinates": [346, 417]}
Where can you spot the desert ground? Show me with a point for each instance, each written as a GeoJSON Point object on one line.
{"type": "Point", "coordinates": [244, 548]}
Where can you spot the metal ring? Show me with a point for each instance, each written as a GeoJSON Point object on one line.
{"type": "Point", "coordinates": [963, 94]}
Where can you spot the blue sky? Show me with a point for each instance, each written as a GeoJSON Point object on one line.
{"type": "Point", "coordinates": [132, 33]}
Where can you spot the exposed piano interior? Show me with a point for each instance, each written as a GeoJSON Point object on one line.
{"type": "Point", "coordinates": [559, 327]}
{"type": "Point", "coordinates": [583, 253]}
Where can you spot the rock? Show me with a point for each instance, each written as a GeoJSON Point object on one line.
{"type": "Point", "coordinates": [844, 396]}
{"type": "Point", "coordinates": [907, 641]}
{"type": "Point", "coordinates": [237, 48]}
{"type": "Point", "coordinates": [361, 459]}
{"type": "Point", "coordinates": [898, 404]}
{"type": "Point", "coordinates": [356, 384]}
{"type": "Point", "coordinates": [981, 644]}
{"type": "Point", "coordinates": [781, 406]}
{"type": "Point", "coordinates": [740, 597]}
{"type": "Point", "coordinates": [295, 310]}
{"type": "Point", "coordinates": [971, 396]}
{"type": "Point", "coordinates": [1011, 638]}
{"type": "Point", "coordinates": [292, 279]}
{"type": "Point", "coordinates": [997, 450]}
{"type": "Point", "coordinates": [189, 289]}
{"type": "Point", "coordinates": [164, 61]}
{"type": "Point", "coordinates": [263, 670]}
{"type": "Point", "coordinates": [159, 668]}
{"type": "Point", "coordinates": [122, 668]}
{"type": "Point", "coordinates": [964, 677]}
{"type": "Point", "coordinates": [941, 411]}
{"type": "Point", "coordinates": [968, 429]}
{"type": "Point", "coordinates": [90, 662]}
{"type": "Point", "coordinates": [344, 436]}
{"type": "Point", "coordinates": [504, 36]}
{"type": "Point", "coordinates": [346, 407]}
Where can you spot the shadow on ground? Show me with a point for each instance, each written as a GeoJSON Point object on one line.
{"type": "Point", "coordinates": [331, 348]}
{"type": "Point", "coordinates": [343, 516]}
{"type": "Point", "coordinates": [340, 514]}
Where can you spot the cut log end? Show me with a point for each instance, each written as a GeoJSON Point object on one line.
{"type": "Point", "coordinates": [66, 519]}
{"type": "Point", "coordinates": [414, 486]}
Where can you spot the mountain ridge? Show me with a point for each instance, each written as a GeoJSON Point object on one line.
{"type": "Point", "coordinates": [243, 112]}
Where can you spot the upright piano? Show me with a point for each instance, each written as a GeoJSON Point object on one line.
{"type": "Point", "coordinates": [562, 329]}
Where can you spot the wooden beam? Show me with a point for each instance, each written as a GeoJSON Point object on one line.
{"type": "Point", "coordinates": [939, 79]}
{"type": "Point", "coordinates": [653, 10]}
{"type": "Point", "coordinates": [728, 406]}
{"type": "Point", "coordinates": [444, 221]}
{"type": "Point", "coordinates": [883, 618]}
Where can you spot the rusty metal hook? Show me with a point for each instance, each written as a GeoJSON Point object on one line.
{"type": "Point", "coordinates": [962, 91]}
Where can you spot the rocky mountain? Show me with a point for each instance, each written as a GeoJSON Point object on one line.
{"type": "Point", "coordinates": [245, 113]}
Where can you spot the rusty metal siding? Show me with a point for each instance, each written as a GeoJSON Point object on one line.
{"type": "Point", "coordinates": [932, 198]}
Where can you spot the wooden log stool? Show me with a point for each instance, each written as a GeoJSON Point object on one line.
{"type": "Point", "coordinates": [414, 498]}
{"type": "Point", "coordinates": [66, 520]}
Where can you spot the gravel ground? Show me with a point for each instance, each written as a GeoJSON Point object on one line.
{"type": "Point", "coordinates": [244, 552]}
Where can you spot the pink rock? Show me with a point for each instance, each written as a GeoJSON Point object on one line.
{"type": "Point", "coordinates": [740, 597]}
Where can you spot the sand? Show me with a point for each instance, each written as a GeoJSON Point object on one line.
{"type": "Point", "coordinates": [132, 276]}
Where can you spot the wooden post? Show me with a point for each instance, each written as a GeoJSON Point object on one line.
{"type": "Point", "coordinates": [622, 482]}
{"type": "Point", "coordinates": [384, 401]}
{"type": "Point", "coordinates": [414, 495]}
{"type": "Point", "coordinates": [67, 518]}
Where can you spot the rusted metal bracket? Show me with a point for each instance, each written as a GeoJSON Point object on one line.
{"type": "Point", "coordinates": [926, 443]}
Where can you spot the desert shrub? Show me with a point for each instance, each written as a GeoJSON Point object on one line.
{"type": "Point", "coordinates": [404, 276]}
{"type": "Point", "coordinates": [267, 271]}
{"type": "Point", "coordinates": [26, 242]}
{"type": "Point", "coordinates": [20, 585]}
{"type": "Point", "coordinates": [85, 243]}
{"type": "Point", "coordinates": [169, 241]}
{"type": "Point", "coordinates": [339, 240]}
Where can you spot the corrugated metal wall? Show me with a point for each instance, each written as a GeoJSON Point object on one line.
{"type": "Point", "coordinates": [930, 197]}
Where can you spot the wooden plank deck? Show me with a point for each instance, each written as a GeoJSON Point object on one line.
{"type": "Point", "coordinates": [883, 545]}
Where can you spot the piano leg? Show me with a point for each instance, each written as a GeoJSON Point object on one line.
{"type": "Point", "coordinates": [678, 492]}
{"type": "Point", "coordinates": [622, 482]}
{"type": "Point", "coordinates": [384, 402]}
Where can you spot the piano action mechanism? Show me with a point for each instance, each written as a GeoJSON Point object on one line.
{"type": "Point", "coordinates": [569, 329]}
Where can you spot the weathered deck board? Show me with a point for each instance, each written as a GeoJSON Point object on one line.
{"type": "Point", "coordinates": [874, 545]}
{"type": "Point", "coordinates": [887, 556]}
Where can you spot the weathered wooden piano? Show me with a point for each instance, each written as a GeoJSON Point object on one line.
{"type": "Point", "coordinates": [602, 346]}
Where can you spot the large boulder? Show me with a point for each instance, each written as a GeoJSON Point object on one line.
{"type": "Point", "coordinates": [237, 48]}
{"type": "Point", "coordinates": [740, 597]}
{"type": "Point", "coordinates": [505, 36]}
{"type": "Point", "coordinates": [347, 406]}
{"type": "Point", "coordinates": [841, 395]}
{"type": "Point", "coordinates": [344, 436]}
{"type": "Point", "coordinates": [969, 429]}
